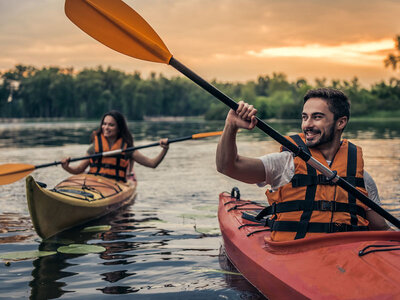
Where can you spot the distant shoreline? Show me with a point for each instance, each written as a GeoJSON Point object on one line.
{"type": "Point", "coordinates": [145, 118]}
{"type": "Point", "coordinates": [377, 118]}
{"type": "Point", "coordinates": [25, 120]}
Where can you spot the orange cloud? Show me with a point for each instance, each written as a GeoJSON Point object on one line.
{"type": "Point", "coordinates": [364, 53]}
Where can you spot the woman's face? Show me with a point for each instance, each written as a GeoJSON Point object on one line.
{"type": "Point", "coordinates": [109, 127]}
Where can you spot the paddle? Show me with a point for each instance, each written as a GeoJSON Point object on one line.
{"type": "Point", "coordinates": [10, 173]}
{"type": "Point", "coordinates": [119, 27]}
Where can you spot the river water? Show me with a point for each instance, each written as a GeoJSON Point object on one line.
{"type": "Point", "coordinates": [167, 245]}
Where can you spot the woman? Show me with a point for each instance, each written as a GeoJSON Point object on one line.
{"type": "Point", "coordinates": [113, 134]}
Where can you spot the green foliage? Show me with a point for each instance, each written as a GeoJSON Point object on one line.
{"type": "Point", "coordinates": [52, 92]}
{"type": "Point", "coordinates": [216, 111]}
{"type": "Point", "coordinates": [281, 105]}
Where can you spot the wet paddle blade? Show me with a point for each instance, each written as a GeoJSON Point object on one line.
{"type": "Point", "coordinates": [206, 134]}
{"type": "Point", "coordinates": [10, 173]}
{"type": "Point", "coordinates": [119, 27]}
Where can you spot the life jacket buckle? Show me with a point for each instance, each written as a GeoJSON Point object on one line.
{"type": "Point", "coordinates": [327, 205]}
{"type": "Point", "coordinates": [322, 179]}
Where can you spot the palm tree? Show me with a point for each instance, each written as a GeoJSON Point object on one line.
{"type": "Point", "coordinates": [392, 59]}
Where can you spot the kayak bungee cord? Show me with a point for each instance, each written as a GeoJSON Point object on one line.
{"type": "Point", "coordinates": [380, 248]}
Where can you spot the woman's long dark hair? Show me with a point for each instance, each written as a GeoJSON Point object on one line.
{"type": "Point", "coordinates": [123, 130]}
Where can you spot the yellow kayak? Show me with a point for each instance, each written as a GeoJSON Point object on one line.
{"type": "Point", "coordinates": [75, 201]}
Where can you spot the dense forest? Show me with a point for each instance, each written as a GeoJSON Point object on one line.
{"type": "Point", "coordinates": [52, 92]}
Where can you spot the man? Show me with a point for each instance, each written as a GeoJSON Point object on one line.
{"type": "Point", "coordinates": [303, 202]}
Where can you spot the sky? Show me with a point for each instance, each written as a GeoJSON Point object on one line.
{"type": "Point", "coordinates": [226, 40]}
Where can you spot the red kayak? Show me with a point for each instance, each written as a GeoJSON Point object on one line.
{"type": "Point", "coordinates": [344, 265]}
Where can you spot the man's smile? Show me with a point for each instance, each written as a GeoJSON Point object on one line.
{"type": "Point", "coordinates": [310, 134]}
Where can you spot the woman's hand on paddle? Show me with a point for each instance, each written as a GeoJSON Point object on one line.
{"type": "Point", "coordinates": [75, 169]}
{"type": "Point", "coordinates": [65, 163]}
{"type": "Point", "coordinates": [164, 143]}
{"type": "Point", "coordinates": [243, 117]}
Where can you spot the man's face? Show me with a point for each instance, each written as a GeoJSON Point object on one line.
{"type": "Point", "coordinates": [318, 122]}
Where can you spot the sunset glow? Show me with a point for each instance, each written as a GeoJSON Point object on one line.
{"type": "Point", "coordinates": [366, 53]}
{"type": "Point", "coordinates": [228, 40]}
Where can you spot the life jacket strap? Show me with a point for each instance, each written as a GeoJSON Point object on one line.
{"type": "Point", "coordinates": [299, 180]}
{"type": "Point", "coordinates": [293, 226]}
{"type": "Point", "coordinates": [108, 166]}
{"type": "Point", "coordinates": [318, 205]}
{"type": "Point", "coordinates": [351, 173]}
{"type": "Point", "coordinates": [310, 193]}
{"type": "Point", "coordinates": [98, 160]}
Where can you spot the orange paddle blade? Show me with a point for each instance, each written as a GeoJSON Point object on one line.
{"type": "Point", "coordinates": [119, 27]}
{"type": "Point", "coordinates": [206, 134]}
{"type": "Point", "coordinates": [10, 173]}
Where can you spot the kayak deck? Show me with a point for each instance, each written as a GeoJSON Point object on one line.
{"type": "Point", "coordinates": [74, 201]}
{"type": "Point", "coordinates": [328, 267]}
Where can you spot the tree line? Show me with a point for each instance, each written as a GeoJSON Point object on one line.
{"type": "Point", "coordinates": [53, 92]}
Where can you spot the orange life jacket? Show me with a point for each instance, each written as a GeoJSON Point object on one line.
{"type": "Point", "coordinates": [310, 205]}
{"type": "Point", "coordinates": [111, 167]}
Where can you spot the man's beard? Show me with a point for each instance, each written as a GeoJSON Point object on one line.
{"type": "Point", "coordinates": [325, 138]}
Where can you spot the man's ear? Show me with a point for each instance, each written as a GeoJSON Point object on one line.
{"type": "Point", "coordinates": [341, 123]}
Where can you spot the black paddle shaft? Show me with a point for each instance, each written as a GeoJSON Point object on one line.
{"type": "Point", "coordinates": [286, 143]}
{"type": "Point", "coordinates": [130, 149]}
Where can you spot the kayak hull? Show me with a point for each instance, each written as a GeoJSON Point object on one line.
{"type": "Point", "coordinates": [327, 267]}
{"type": "Point", "coordinates": [74, 201]}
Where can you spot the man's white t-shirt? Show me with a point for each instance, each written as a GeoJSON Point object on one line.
{"type": "Point", "coordinates": [279, 170]}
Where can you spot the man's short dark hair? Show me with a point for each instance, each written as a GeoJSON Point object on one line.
{"type": "Point", "coordinates": [338, 102]}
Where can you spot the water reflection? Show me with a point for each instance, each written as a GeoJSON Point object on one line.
{"type": "Point", "coordinates": [48, 276]}
{"type": "Point", "coordinates": [58, 134]}
{"type": "Point", "coordinates": [51, 273]}
{"type": "Point", "coordinates": [237, 281]}
{"type": "Point", "coordinates": [379, 129]}
{"type": "Point", "coordinates": [13, 228]}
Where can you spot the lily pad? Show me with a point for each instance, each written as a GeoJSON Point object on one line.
{"type": "Point", "coordinates": [25, 254]}
{"type": "Point", "coordinates": [98, 228]}
{"type": "Point", "coordinates": [80, 249]}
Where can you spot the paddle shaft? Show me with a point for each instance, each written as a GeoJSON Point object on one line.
{"type": "Point", "coordinates": [115, 152]}
{"type": "Point", "coordinates": [287, 144]}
